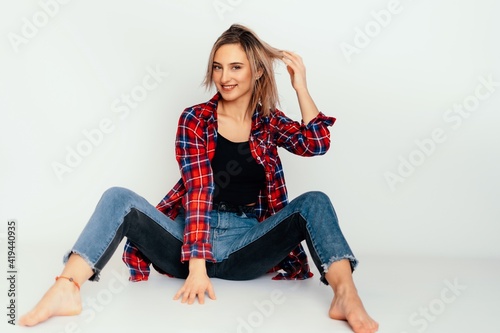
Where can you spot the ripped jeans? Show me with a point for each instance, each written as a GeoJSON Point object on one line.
{"type": "Point", "coordinates": [242, 247]}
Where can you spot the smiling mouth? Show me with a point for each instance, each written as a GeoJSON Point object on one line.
{"type": "Point", "coordinates": [228, 87]}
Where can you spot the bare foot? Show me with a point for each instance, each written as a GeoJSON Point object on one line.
{"type": "Point", "coordinates": [348, 306]}
{"type": "Point", "coordinates": [62, 299]}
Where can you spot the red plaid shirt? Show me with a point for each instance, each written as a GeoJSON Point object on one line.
{"type": "Point", "coordinates": [195, 147]}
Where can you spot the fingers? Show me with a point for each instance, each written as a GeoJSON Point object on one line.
{"type": "Point", "coordinates": [291, 58]}
{"type": "Point", "coordinates": [178, 294]}
{"type": "Point", "coordinates": [293, 62]}
{"type": "Point", "coordinates": [290, 54]}
{"type": "Point", "coordinates": [296, 69]}
{"type": "Point", "coordinates": [211, 292]}
{"type": "Point", "coordinates": [201, 298]}
{"type": "Point", "coordinates": [189, 296]}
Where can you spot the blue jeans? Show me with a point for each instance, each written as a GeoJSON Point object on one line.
{"type": "Point", "coordinates": [243, 248]}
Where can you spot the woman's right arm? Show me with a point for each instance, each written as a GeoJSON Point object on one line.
{"type": "Point", "coordinates": [194, 163]}
{"type": "Point", "coordinates": [196, 172]}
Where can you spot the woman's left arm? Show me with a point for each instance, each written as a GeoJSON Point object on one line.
{"type": "Point", "coordinates": [312, 137]}
{"type": "Point", "coordinates": [297, 71]}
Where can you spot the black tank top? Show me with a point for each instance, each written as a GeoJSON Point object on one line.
{"type": "Point", "coordinates": [238, 177]}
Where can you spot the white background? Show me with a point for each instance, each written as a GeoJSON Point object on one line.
{"type": "Point", "coordinates": [395, 90]}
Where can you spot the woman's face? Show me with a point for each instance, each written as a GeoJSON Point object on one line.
{"type": "Point", "coordinates": [232, 74]}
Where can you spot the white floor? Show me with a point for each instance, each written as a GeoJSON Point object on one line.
{"type": "Point", "coordinates": [406, 295]}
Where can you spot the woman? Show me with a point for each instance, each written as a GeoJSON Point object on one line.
{"type": "Point", "coordinates": [228, 216]}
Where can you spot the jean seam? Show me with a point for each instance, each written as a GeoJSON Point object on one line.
{"type": "Point", "coordinates": [313, 240]}
{"type": "Point", "coordinates": [261, 235]}
{"type": "Point", "coordinates": [110, 240]}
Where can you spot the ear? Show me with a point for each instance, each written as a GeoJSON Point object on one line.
{"type": "Point", "coordinates": [259, 73]}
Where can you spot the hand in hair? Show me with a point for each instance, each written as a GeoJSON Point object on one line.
{"type": "Point", "coordinates": [296, 69]}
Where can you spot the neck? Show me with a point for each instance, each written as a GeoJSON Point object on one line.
{"type": "Point", "coordinates": [238, 110]}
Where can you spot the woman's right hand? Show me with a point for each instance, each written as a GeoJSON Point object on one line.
{"type": "Point", "coordinates": [197, 284]}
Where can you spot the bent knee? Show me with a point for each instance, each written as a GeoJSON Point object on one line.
{"type": "Point", "coordinates": [317, 197]}
{"type": "Point", "coordinates": [117, 195]}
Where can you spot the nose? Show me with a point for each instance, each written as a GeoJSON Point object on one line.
{"type": "Point", "coordinates": [225, 76]}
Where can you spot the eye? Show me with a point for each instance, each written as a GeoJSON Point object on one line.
{"type": "Point", "coordinates": [216, 67]}
{"type": "Point", "coordinates": [236, 67]}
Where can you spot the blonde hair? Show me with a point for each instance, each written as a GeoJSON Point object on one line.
{"type": "Point", "coordinates": [261, 57]}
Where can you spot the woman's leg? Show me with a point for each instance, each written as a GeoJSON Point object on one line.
{"type": "Point", "coordinates": [346, 304]}
{"type": "Point", "coordinates": [63, 298]}
{"type": "Point", "coordinates": [120, 213]}
{"type": "Point", "coordinates": [309, 217]}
